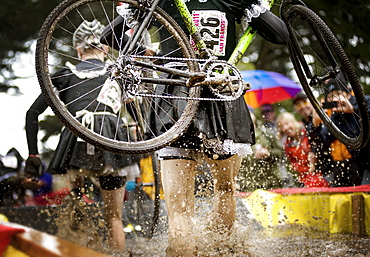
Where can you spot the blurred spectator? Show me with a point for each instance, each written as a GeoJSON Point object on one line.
{"type": "Point", "coordinates": [321, 150]}
{"type": "Point", "coordinates": [298, 151]}
{"type": "Point", "coordinates": [348, 165]}
{"type": "Point", "coordinates": [261, 170]}
{"type": "Point", "coordinates": [303, 107]}
{"type": "Point", "coordinates": [268, 116]}
{"type": "Point", "coordinates": [11, 166]}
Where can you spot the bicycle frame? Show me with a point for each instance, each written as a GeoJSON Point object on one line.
{"type": "Point", "coordinates": [204, 52]}
{"type": "Point", "coordinates": [156, 80]}
{"type": "Point", "coordinates": [235, 57]}
{"type": "Point", "coordinates": [240, 48]}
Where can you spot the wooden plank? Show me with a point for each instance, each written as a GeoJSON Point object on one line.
{"type": "Point", "coordinates": [358, 215]}
{"type": "Point", "coordinates": [35, 244]}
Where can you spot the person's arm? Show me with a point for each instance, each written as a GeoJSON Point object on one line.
{"type": "Point", "coordinates": [33, 168]}
{"type": "Point", "coordinates": [32, 123]}
{"type": "Point", "coordinates": [271, 27]}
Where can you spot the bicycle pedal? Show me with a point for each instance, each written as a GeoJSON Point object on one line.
{"type": "Point", "coordinates": [247, 86]}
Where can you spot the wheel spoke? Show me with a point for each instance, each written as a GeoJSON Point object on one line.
{"type": "Point", "coordinates": [148, 120]}
{"type": "Point", "coordinates": [317, 55]}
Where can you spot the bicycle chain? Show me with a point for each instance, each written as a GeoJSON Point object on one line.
{"type": "Point", "coordinates": [181, 97]}
{"type": "Point", "coordinates": [184, 97]}
{"type": "Point", "coordinates": [175, 58]}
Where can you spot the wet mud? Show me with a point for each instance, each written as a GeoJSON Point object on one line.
{"type": "Point", "coordinates": [84, 225]}
{"type": "Point", "coordinates": [248, 238]}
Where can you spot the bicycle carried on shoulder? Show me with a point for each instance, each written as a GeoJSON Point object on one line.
{"type": "Point", "coordinates": [144, 80]}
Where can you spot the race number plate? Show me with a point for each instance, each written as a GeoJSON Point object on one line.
{"type": "Point", "coordinates": [212, 26]}
{"type": "Point", "coordinates": [111, 95]}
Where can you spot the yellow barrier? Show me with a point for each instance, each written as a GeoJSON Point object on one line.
{"type": "Point", "coordinates": [367, 213]}
{"type": "Point", "coordinates": [147, 177]}
{"type": "Point", "coordinates": [324, 211]}
{"type": "Point", "coordinates": [13, 252]}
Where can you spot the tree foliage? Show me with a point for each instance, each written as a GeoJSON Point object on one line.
{"type": "Point", "coordinates": [20, 22]}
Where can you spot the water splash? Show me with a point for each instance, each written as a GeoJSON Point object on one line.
{"type": "Point", "coordinates": [246, 238]}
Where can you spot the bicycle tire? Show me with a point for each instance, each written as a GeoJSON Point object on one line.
{"type": "Point", "coordinates": [54, 47]}
{"type": "Point", "coordinates": [157, 197]}
{"type": "Point", "coordinates": [315, 53]}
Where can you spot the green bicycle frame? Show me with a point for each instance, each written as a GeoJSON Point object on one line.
{"type": "Point", "coordinates": [240, 48]}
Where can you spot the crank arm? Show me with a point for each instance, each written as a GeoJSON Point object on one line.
{"type": "Point", "coordinates": [221, 80]}
{"type": "Point", "coordinates": [162, 81]}
{"type": "Point", "coordinates": [171, 82]}
{"type": "Point", "coordinates": [175, 72]}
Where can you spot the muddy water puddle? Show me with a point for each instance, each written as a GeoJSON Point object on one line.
{"type": "Point", "coordinates": [262, 244]}
{"type": "Point", "coordinates": [247, 238]}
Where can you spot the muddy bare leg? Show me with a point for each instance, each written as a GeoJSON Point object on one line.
{"type": "Point", "coordinates": [178, 185]}
{"type": "Point", "coordinates": [224, 207]}
{"type": "Point", "coordinates": [113, 204]}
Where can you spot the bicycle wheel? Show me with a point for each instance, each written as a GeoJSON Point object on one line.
{"type": "Point", "coordinates": [317, 58]}
{"type": "Point", "coordinates": [140, 87]}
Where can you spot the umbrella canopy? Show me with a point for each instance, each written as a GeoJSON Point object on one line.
{"type": "Point", "coordinates": [268, 87]}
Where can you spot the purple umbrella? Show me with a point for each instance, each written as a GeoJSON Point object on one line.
{"type": "Point", "coordinates": [268, 87]}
